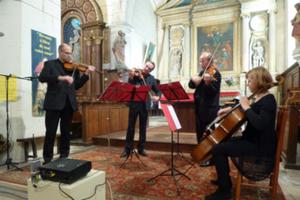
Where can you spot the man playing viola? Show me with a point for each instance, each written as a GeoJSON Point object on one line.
{"type": "Point", "coordinates": [207, 93]}
{"type": "Point", "coordinates": [139, 109]}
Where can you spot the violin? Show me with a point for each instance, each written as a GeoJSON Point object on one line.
{"type": "Point", "coordinates": [211, 70]}
{"type": "Point", "coordinates": [81, 67]}
{"type": "Point", "coordinates": [135, 72]}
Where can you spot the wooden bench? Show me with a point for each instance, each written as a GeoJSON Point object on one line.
{"type": "Point", "coordinates": [32, 142]}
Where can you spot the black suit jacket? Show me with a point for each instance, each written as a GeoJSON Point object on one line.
{"type": "Point", "coordinates": [207, 97]}
{"type": "Point", "coordinates": [58, 91]}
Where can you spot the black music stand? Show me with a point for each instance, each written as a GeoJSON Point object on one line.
{"type": "Point", "coordinates": [174, 92]}
{"type": "Point", "coordinates": [174, 125]}
{"type": "Point", "coordinates": [8, 161]}
{"type": "Point", "coordinates": [125, 92]}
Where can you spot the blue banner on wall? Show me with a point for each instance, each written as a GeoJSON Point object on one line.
{"type": "Point", "coordinates": [43, 48]}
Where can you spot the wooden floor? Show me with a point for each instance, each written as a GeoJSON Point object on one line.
{"type": "Point", "coordinates": [158, 138]}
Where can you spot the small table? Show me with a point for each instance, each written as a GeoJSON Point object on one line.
{"type": "Point", "coordinates": [81, 189]}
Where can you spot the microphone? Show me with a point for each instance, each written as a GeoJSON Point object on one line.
{"type": "Point", "coordinates": [1, 34]}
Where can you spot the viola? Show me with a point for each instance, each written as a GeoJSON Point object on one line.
{"type": "Point", "coordinates": [81, 67]}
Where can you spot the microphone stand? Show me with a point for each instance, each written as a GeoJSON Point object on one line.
{"type": "Point", "coordinates": [8, 161]}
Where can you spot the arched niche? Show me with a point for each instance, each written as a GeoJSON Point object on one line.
{"type": "Point", "coordinates": [85, 17]}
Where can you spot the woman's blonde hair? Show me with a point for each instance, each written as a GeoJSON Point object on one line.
{"type": "Point", "coordinates": [261, 77]}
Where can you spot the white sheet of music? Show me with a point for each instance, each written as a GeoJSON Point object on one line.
{"type": "Point", "coordinates": [174, 117]}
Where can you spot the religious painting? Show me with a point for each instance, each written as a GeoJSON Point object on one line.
{"type": "Point", "coordinates": [72, 37]}
{"type": "Point", "coordinates": [149, 52]}
{"type": "Point", "coordinates": [218, 40]}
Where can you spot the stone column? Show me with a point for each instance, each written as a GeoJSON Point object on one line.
{"type": "Point", "coordinates": [186, 60]}
{"type": "Point", "coordinates": [245, 42]}
{"type": "Point", "coordinates": [245, 51]}
{"type": "Point", "coordinates": [164, 63]}
{"type": "Point", "coordinates": [272, 40]}
{"type": "Point", "coordinates": [93, 54]}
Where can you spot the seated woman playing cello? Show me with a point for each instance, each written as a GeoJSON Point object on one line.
{"type": "Point", "coordinates": [258, 138]}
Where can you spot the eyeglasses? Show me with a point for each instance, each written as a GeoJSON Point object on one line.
{"type": "Point", "coordinates": [68, 53]}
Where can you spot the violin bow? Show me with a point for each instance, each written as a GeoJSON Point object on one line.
{"type": "Point", "coordinates": [212, 55]}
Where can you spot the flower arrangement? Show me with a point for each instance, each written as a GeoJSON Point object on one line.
{"type": "Point", "coordinates": [229, 81]}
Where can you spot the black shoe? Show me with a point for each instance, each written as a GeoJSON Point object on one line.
{"type": "Point", "coordinates": [220, 194]}
{"type": "Point", "coordinates": [214, 182]}
{"type": "Point", "coordinates": [46, 162]}
{"type": "Point", "coordinates": [206, 163]}
{"type": "Point", "coordinates": [142, 153]}
{"type": "Point", "coordinates": [124, 154]}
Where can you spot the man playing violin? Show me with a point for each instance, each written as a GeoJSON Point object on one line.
{"type": "Point", "coordinates": [206, 96]}
{"type": "Point", "coordinates": [60, 100]}
{"type": "Point", "coordinates": [139, 109]}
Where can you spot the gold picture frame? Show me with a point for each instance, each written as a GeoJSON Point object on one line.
{"type": "Point", "coordinates": [220, 36]}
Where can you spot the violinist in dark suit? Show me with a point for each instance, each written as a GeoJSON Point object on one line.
{"type": "Point", "coordinates": [60, 100]}
{"type": "Point", "coordinates": [139, 109]}
{"type": "Point", "coordinates": [207, 93]}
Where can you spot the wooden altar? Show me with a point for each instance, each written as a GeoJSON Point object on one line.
{"type": "Point", "coordinates": [185, 110]}
{"type": "Point", "coordinates": [103, 118]}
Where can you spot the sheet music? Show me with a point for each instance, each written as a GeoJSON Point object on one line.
{"type": "Point", "coordinates": [174, 117]}
{"type": "Point", "coordinates": [171, 117]}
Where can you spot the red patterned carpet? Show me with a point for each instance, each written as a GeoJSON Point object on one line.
{"type": "Point", "coordinates": [130, 182]}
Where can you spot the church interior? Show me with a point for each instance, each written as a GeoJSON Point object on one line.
{"type": "Point", "coordinates": [118, 37]}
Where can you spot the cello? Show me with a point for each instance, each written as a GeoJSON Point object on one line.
{"type": "Point", "coordinates": [224, 127]}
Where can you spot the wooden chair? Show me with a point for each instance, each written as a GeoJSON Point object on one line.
{"type": "Point", "coordinates": [282, 118]}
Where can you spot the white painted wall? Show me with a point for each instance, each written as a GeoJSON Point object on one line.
{"type": "Point", "coordinates": [138, 21]}
{"type": "Point", "coordinates": [140, 15]}
{"type": "Point", "coordinates": [17, 19]}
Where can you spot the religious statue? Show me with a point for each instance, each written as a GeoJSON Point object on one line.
{"type": "Point", "coordinates": [74, 42]}
{"type": "Point", "coordinates": [176, 62]}
{"type": "Point", "coordinates": [258, 54]}
{"type": "Point", "coordinates": [119, 50]}
{"type": "Point", "coordinates": [296, 28]}
{"type": "Point", "coordinates": [296, 22]}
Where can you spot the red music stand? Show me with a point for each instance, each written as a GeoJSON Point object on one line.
{"type": "Point", "coordinates": [174, 125]}
{"type": "Point", "coordinates": [173, 91]}
{"type": "Point", "coordinates": [126, 92]}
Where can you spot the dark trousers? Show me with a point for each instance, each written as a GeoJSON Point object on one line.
{"type": "Point", "coordinates": [234, 147]}
{"type": "Point", "coordinates": [200, 128]}
{"type": "Point", "coordinates": [203, 119]}
{"type": "Point", "coordinates": [51, 121]}
{"type": "Point", "coordinates": [136, 110]}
